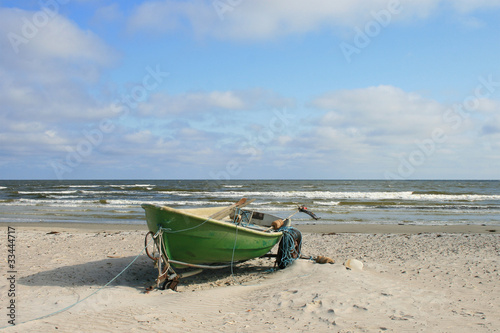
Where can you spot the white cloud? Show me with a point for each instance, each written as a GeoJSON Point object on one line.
{"type": "Point", "coordinates": [379, 112]}
{"type": "Point", "coordinates": [355, 132]}
{"type": "Point", "coordinates": [262, 19]}
{"type": "Point", "coordinates": [31, 138]}
{"type": "Point", "coordinates": [486, 119]}
{"type": "Point", "coordinates": [162, 104]}
{"type": "Point", "coordinates": [246, 19]}
{"type": "Point", "coordinates": [159, 16]}
{"type": "Point", "coordinates": [55, 51]}
{"type": "Point", "coordinates": [372, 129]}
{"type": "Point", "coordinates": [466, 6]}
{"type": "Point", "coordinates": [46, 73]}
{"type": "Point", "coordinates": [32, 36]}
{"type": "Point", "coordinates": [48, 65]}
{"type": "Point", "coordinates": [181, 146]}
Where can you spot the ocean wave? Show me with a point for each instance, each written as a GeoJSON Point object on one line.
{"type": "Point", "coordinates": [403, 195]}
{"type": "Point", "coordinates": [114, 203]}
{"type": "Point", "coordinates": [278, 197]}
{"type": "Point", "coordinates": [138, 186]}
{"type": "Point", "coordinates": [48, 192]}
{"type": "Point", "coordinates": [326, 203]}
{"type": "Point", "coordinates": [334, 201]}
{"type": "Point", "coordinates": [181, 203]}
{"type": "Point", "coordinates": [443, 193]}
{"type": "Point", "coordinates": [89, 192]}
{"type": "Point", "coordinates": [176, 190]}
{"type": "Point", "coordinates": [80, 186]}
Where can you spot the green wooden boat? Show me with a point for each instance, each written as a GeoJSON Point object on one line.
{"type": "Point", "coordinates": [196, 237]}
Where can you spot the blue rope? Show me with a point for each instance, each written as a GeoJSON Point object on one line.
{"type": "Point", "coordinates": [287, 246]}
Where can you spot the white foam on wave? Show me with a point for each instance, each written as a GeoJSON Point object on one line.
{"type": "Point", "coordinates": [98, 192]}
{"type": "Point", "coordinates": [133, 185]}
{"type": "Point", "coordinates": [111, 203]}
{"type": "Point", "coordinates": [48, 192]}
{"type": "Point", "coordinates": [403, 195]}
{"type": "Point", "coordinates": [81, 186]}
{"type": "Point", "coordinates": [330, 197]}
{"type": "Point", "coordinates": [326, 203]}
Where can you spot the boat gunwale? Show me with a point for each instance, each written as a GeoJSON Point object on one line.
{"type": "Point", "coordinates": [271, 233]}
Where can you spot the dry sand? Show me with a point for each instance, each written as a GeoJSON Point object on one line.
{"type": "Point", "coordinates": [413, 280]}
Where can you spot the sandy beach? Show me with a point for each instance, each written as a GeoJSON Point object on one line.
{"type": "Point", "coordinates": [414, 279]}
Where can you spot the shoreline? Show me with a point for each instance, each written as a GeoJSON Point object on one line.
{"type": "Point", "coordinates": [307, 228]}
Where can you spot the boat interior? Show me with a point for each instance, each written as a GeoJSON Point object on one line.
{"type": "Point", "coordinates": [245, 217]}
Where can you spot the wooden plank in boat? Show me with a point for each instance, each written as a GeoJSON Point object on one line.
{"type": "Point", "coordinates": [227, 210]}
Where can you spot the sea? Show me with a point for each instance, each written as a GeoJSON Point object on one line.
{"type": "Point", "coordinates": [417, 202]}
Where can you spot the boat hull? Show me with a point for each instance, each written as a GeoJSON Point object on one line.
{"type": "Point", "coordinates": [197, 239]}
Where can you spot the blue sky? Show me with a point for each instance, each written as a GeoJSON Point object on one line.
{"type": "Point", "coordinates": [239, 89]}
